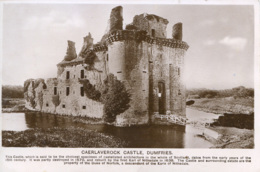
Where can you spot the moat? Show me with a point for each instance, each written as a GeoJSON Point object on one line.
{"type": "Point", "coordinates": [146, 136]}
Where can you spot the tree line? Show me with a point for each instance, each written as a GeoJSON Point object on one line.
{"type": "Point", "coordinates": [236, 92]}
{"type": "Point", "coordinates": [10, 91]}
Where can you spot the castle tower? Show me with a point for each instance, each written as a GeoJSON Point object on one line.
{"type": "Point", "coordinates": [150, 65]}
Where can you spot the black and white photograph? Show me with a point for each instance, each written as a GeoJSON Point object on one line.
{"type": "Point", "coordinates": [129, 85]}
{"type": "Point", "coordinates": [128, 76]}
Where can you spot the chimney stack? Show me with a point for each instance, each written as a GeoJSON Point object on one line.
{"type": "Point", "coordinates": [71, 51]}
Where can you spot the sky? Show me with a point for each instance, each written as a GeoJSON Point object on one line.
{"type": "Point", "coordinates": [221, 39]}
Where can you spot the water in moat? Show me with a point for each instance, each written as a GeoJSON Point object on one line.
{"type": "Point", "coordinates": [147, 136]}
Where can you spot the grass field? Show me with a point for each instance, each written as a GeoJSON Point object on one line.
{"type": "Point", "coordinates": [57, 137]}
{"type": "Point", "coordinates": [225, 105]}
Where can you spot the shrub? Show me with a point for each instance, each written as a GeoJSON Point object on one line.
{"type": "Point", "coordinates": [117, 99]}
{"type": "Point", "coordinates": [89, 58]}
{"type": "Point", "coordinates": [242, 92]}
{"type": "Point", "coordinates": [90, 91]}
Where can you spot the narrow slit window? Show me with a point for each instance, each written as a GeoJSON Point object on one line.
{"type": "Point", "coordinates": [67, 91]}
{"type": "Point", "coordinates": [47, 105]}
{"type": "Point", "coordinates": [68, 75]}
{"type": "Point", "coordinates": [82, 91]}
{"type": "Point", "coordinates": [107, 57]}
{"type": "Point", "coordinates": [63, 106]}
{"type": "Point", "coordinates": [82, 74]}
{"type": "Point", "coordinates": [153, 33]}
{"type": "Point", "coordinates": [83, 107]}
{"type": "Point", "coordinates": [55, 90]}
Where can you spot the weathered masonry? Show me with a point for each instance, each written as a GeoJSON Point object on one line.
{"type": "Point", "coordinates": [149, 65]}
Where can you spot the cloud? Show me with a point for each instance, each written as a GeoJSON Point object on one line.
{"type": "Point", "coordinates": [236, 43]}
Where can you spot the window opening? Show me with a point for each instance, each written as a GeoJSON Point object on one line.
{"type": "Point", "coordinates": [67, 91]}
{"type": "Point", "coordinates": [153, 33]}
{"type": "Point", "coordinates": [82, 91]}
{"type": "Point", "coordinates": [82, 74]}
{"type": "Point", "coordinates": [55, 90]}
{"type": "Point", "coordinates": [68, 75]}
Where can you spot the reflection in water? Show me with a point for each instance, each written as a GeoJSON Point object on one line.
{"type": "Point", "coordinates": [13, 121]}
{"type": "Point", "coordinates": [147, 136]}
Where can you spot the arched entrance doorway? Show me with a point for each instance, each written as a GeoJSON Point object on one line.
{"type": "Point", "coordinates": [162, 98]}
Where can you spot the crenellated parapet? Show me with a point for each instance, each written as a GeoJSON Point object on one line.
{"type": "Point", "coordinates": [173, 43]}
{"type": "Point", "coordinates": [121, 35]}
{"type": "Point", "coordinates": [98, 48]}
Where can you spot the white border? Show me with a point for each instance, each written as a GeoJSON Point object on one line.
{"type": "Point", "coordinates": [254, 153]}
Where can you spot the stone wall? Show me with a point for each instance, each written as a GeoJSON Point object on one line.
{"type": "Point", "coordinates": [148, 22]}
{"type": "Point", "coordinates": [73, 104]}
{"type": "Point", "coordinates": [166, 66]}
{"type": "Point", "coordinates": [129, 64]}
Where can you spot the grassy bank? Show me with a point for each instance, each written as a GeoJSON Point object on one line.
{"type": "Point", "coordinates": [225, 105]}
{"type": "Point", "coordinates": [57, 137]}
{"type": "Point", "coordinates": [232, 137]}
{"type": "Point", "coordinates": [13, 105]}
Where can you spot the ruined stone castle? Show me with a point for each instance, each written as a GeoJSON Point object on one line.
{"type": "Point", "coordinates": [149, 64]}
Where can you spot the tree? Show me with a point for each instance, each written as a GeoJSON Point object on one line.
{"type": "Point", "coordinates": [89, 58]}
{"type": "Point", "coordinates": [116, 99]}
{"type": "Point", "coordinates": [9, 91]}
{"type": "Point", "coordinates": [241, 91]}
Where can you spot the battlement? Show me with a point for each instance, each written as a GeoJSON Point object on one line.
{"type": "Point", "coordinates": [121, 35]}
